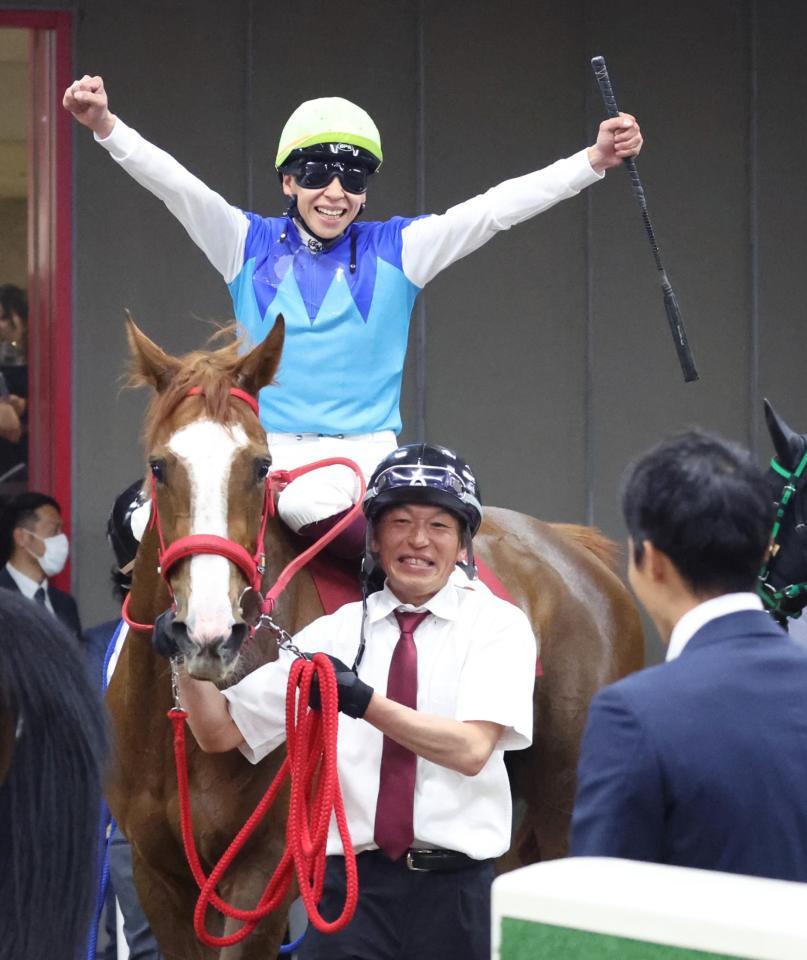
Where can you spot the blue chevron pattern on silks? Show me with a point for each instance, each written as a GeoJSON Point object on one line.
{"type": "Point", "coordinates": [315, 273]}
{"type": "Point", "coordinates": [343, 357]}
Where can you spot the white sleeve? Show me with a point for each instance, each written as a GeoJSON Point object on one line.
{"type": "Point", "coordinates": [218, 228]}
{"type": "Point", "coordinates": [257, 703]}
{"type": "Point", "coordinates": [433, 243]}
{"type": "Point", "coordinates": [498, 676]}
{"type": "Point", "coordinates": [257, 706]}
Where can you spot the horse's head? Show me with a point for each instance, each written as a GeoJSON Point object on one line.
{"type": "Point", "coordinates": [208, 461]}
{"type": "Point", "coordinates": [783, 585]}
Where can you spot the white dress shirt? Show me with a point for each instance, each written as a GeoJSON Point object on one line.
{"type": "Point", "coordinates": [29, 587]}
{"type": "Point", "coordinates": [699, 616]}
{"type": "Point", "coordinates": [476, 661]}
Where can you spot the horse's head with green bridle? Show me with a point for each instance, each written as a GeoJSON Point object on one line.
{"type": "Point", "coordinates": [782, 582]}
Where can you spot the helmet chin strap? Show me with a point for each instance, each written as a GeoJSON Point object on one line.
{"type": "Point", "coordinates": [469, 564]}
{"type": "Point", "coordinates": [293, 212]}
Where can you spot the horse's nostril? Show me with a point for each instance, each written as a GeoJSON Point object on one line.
{"type": "Point", "coordinates": [234, 642]}
{"type": "Point", "coordinates": [167, 633]}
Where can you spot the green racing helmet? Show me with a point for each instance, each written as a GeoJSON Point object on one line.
{"type": "Point", "coordinates": [329, 125]}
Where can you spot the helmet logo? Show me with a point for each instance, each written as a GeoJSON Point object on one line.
{"type": "Point", "coordinates": [417, 479]}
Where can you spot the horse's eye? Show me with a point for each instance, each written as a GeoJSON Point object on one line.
{"type": "Point", "coordinates": [157, 470]}
{"type": "Point", "coordinates": [262, 468]}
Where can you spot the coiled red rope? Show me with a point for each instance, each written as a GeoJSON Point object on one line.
{"type": "Point", "coordinates": [315, 793]}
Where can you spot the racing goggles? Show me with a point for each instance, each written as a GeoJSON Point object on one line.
{"type": "Point", "coordinates": [315, 174]}
{"type": "Point", "coordinates": [419, 475]}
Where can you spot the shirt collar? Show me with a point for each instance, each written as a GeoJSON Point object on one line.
{"type": "Point", "coordinates": [699, 616]}
{"type": "Point", "coordinates": [25, 584]}
{"type": "Point", "coordinates": [445, 603]}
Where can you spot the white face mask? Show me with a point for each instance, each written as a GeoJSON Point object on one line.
{"type": "Point", "coordinates": [57, 549]}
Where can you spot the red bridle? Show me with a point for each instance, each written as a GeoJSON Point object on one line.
{"type": "Point", "coordinates": [253, 566]}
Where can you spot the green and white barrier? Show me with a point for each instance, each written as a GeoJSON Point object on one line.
{"type": "Point", "coordinates": [601, 909]}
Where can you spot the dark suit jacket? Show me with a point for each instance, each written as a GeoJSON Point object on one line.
{"type": "Point", "coordinates": [702, 761]}
{"type": "Point", "coordinates": [64, 606]}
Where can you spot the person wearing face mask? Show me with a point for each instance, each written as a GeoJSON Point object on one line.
{"type": "Point", "coordinates": [345, 286]}
{"type": "Point", "coordinates": [34, 547]}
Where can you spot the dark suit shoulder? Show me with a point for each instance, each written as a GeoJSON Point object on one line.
{"type": "Point", "coordinates": [66, 609]}
{"type": "Point", "coordinates": [7, 581]}
{"type": "Point", "coordinates": [718, 666]}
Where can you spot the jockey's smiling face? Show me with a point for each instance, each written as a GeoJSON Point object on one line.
{"type": "Point", "coordinates": [418, 546]}
{"type": "Point", "coordinates": [327, 211]}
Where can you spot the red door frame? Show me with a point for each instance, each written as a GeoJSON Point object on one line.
{"type": "Point", "coordinates": [51, 456]}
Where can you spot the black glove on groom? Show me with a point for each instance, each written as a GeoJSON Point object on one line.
{"type": "Point", "coordinates": [354, 694]}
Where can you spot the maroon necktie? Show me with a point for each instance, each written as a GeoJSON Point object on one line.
{"type": "Point", "coordinates": [394, 829]}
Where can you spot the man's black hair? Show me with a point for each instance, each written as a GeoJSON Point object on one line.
{"type": "Point", "coordinates": [13, 300]}
{"type": "Point", "coordinates": [701, 501]}
{"type": "Point", "coordinates": [17, 512]}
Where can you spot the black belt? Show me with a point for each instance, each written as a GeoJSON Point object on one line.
{"type": "Point", "coordinates": [418, 858]}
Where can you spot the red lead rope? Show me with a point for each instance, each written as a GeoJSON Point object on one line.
{"type": "Point", "coordinates": [315, 794]}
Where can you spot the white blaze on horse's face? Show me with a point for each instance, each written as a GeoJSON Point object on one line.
{"type": "Point", "coordinates": [207, 450]}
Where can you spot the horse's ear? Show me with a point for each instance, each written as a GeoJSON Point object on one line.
{"type": "Point", "coordinates": [788, 444]}
{"type": "Point", "coordinates": [257, 368]}
{"type": "Point", "coordinates": [150, 364]}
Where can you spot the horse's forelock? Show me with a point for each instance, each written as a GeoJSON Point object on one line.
{"type": "Point", "coordinates": [213, 373]}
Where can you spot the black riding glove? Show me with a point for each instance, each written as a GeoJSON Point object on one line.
{"type": "Point", "coordinates": [354, 694]}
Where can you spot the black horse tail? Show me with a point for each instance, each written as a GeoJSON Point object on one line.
{"type": "Point", "coordinates": [52, 750]}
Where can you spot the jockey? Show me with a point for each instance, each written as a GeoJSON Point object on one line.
{"type": "Point", "coordinates": [345, 286]}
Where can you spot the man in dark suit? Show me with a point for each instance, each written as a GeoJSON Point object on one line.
{"type": "Point", "coordinates": [700, 761]}
{"type": "Point", "coordinates": [33, 547]}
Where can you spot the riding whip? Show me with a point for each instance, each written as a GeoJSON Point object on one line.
{"type": "Point", "coordinates": [670, 303]}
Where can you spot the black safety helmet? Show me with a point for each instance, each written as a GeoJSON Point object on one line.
{"type": "Point", "coordinates": [425, 473]}
{"type": "Point", "coordinates": [119, 526]}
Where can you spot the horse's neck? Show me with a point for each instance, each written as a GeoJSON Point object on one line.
{"type": "Point", "coordinates": [299, 603]}
{"type": "Point", "coordinates": [148, 599]}
{"type": "Point", "coordinates": [281, 547]}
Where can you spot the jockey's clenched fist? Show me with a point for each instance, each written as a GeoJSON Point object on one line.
{"type": "Point", "coordinates": [86, 99]}
{"type": "Point", "coordinates": [617, 138]}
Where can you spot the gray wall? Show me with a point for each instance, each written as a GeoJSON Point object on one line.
{"type": "Point", "coordinates": [545, 357]}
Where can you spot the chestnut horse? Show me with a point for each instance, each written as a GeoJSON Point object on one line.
{"type": "Point", "coordinates": [208, 459]}
{"type": "Point", "coordinates": [52, 748]}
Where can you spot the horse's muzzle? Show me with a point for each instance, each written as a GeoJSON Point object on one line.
{"type": "Point", "coordinates": [211, 659]}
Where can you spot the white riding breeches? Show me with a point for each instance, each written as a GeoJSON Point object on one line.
{"type": "Point", "coordinates": [330, 490]}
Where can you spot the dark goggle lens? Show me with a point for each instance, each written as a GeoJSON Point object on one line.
{"type": "Point", "coordinates": [314, 174]}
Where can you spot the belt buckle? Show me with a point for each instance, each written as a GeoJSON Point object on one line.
{"type": "Point", "coordinates": [410, 863]}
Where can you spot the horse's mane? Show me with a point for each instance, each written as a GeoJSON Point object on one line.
{"type": "Point", "coordinates": [604, 549]}
{"type": "Point", "coordinates": [50, 798]}
{"type": "Point", "coordinates": [212, 371]}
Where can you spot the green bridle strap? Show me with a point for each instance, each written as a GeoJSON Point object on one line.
{"type": "Point", "coordinates": [787, 474]}
{"type": "Point", "coordinates": [773, 598]}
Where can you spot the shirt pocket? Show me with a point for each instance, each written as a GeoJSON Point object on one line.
{"type": "Point", "coordinates": [440, 698]}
